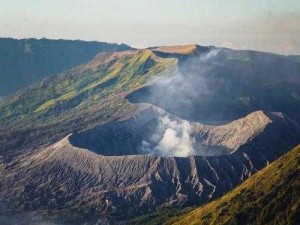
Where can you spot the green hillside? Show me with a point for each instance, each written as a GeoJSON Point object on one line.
{"type": "Point", "coordinates": [88, 93]}
{"type": "Point", "coordinates": [108, 74]}
{"type": "Point", "coordinates": [22, 62]}
{"type": "Point", "coordinates": [271, 196]}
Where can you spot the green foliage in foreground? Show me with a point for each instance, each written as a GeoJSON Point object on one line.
{"type": "Point", "coordinates": [271, 196]}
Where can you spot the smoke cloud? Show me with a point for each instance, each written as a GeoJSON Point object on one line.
{"type": "Point", "coordinates": [178, 94]}
{"type": "Point", "coordinates": [172, 138]}
{"type": "Point", "coordinates": [182, 93]}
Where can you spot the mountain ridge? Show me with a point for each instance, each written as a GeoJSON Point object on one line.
{"type": "Point", "coordinates": [25, 61]}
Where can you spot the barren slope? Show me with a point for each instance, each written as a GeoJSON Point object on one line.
{"type": "Point", "coordinates": [85, 185]}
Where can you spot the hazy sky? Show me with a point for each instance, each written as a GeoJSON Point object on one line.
{"type": "Point", "coordinates": [268, 25]}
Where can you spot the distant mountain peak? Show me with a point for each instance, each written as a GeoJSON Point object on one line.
{"type": "Point", "coordinates": [179, 49]}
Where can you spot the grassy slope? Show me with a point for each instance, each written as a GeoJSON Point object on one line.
{"type": "Point", "coordinates": [112, 74]}
{"type": "Point", "coordinates": [159, 216]}
{"type": "Point", "coordinates": [60, 104]}
{"type": "Point", "coordinates": [23, 62]}
{"type": "Point", "coordinates": [271, 196]}
{"type": "Point", "coordinates": [179, 49]}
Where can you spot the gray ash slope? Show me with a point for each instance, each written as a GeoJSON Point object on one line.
{"type": "Point", "coordinates": [83, 185]}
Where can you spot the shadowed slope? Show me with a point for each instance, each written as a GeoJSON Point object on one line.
{"type": "Point", "coordinates": [217, 85]}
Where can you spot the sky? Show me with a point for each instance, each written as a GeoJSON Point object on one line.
{"type": "Point", "coordinates": [265, 25]}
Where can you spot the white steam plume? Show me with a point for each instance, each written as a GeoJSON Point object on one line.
{"type": "Point", "coordinates": [175, 139]}
{"type": "Point", "coordinates": [178, 94]}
